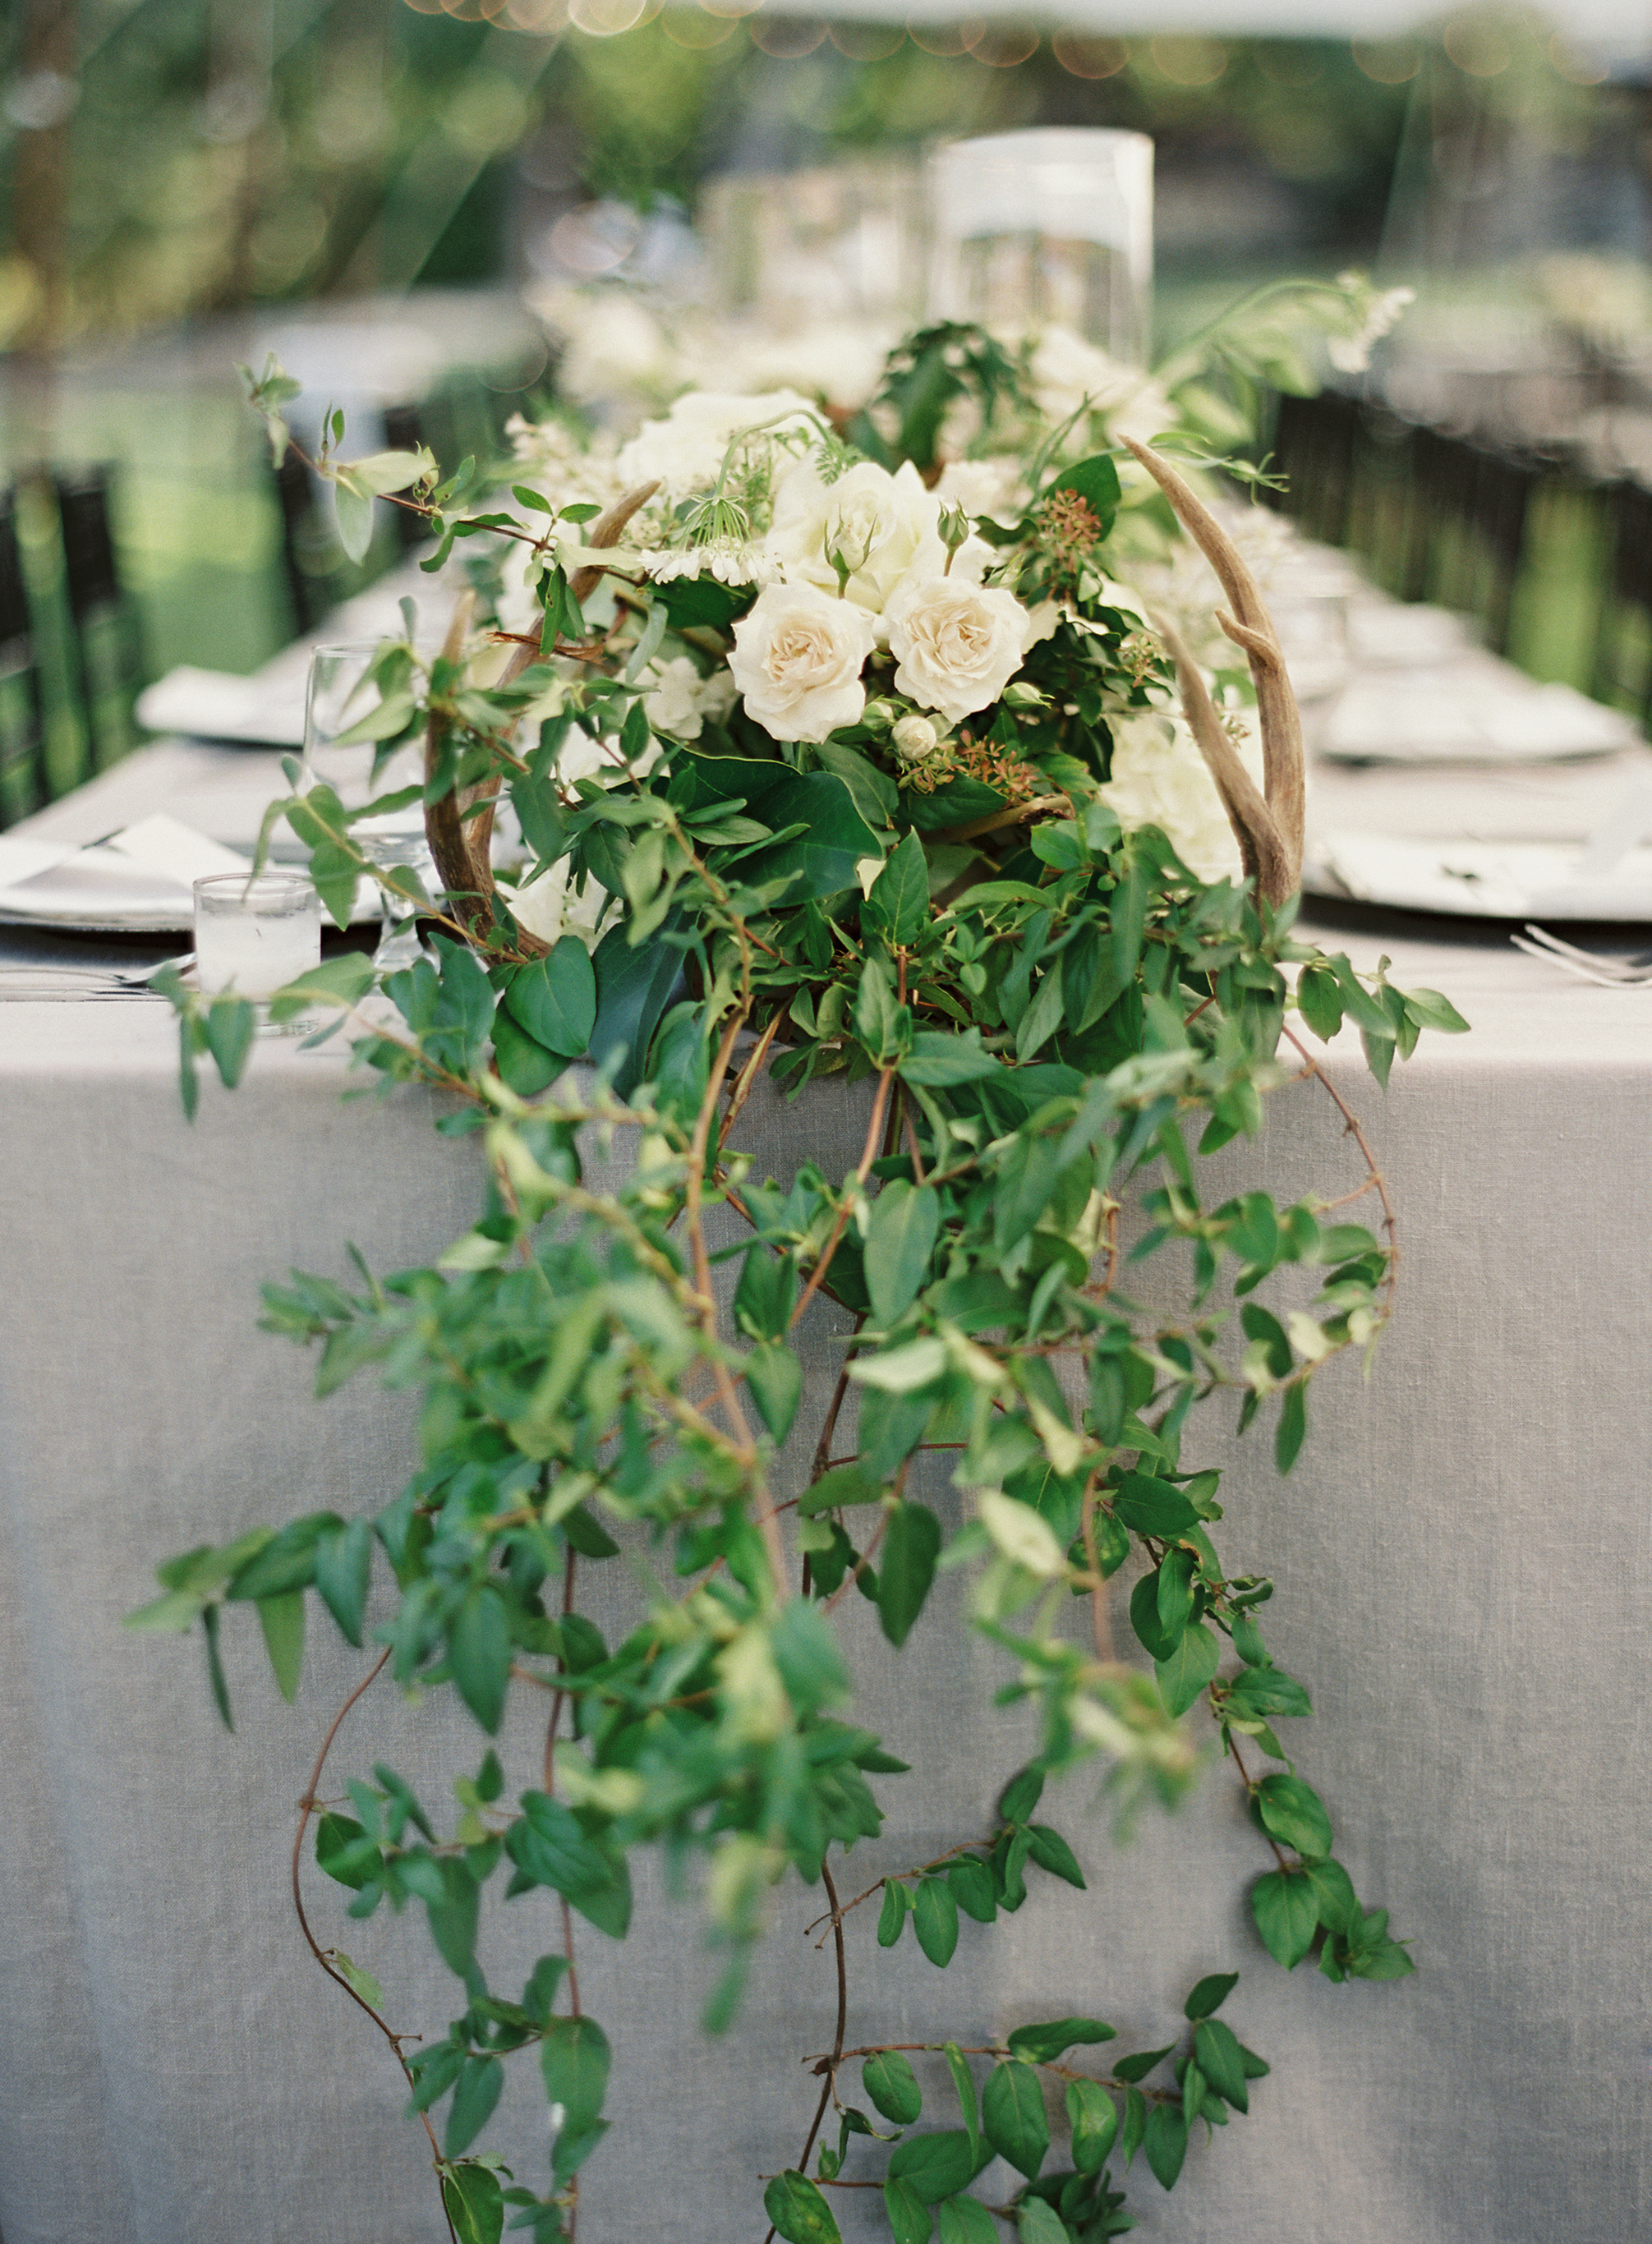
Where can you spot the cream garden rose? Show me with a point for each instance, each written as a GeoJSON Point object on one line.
{"type": "Point", "coordinates": [957, 645]}
{"type": "Point", "coordinates": [885, 527]}
{"type": "Point", "coordinates": [797, 659]}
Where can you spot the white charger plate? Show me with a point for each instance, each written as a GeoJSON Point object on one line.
{"type": "Point", "coordinates": [1478, 880]}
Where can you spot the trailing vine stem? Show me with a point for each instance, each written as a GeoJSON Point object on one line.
{"type": "Point", "coordinates": [306, 1809]}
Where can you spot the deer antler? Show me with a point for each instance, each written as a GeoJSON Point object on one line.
{"type": "Point", "coordinates": [460, 845]}
{"type": "Point", "coordinates": [1269, 827]}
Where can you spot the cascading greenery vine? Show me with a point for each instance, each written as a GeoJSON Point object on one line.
{"type": "Point", "coordinates": [1053, 1020]}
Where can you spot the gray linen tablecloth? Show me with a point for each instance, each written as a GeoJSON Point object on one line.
{"type": "Point", "coordinates": [1465, 1577]}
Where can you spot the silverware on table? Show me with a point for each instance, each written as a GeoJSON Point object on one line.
{"type": "Point", "coordinates": [1608, 972]}
{"type": "Point", "coordinates": [28, 982]}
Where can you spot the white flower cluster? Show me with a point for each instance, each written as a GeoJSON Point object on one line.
{"type": "Point", "coordinates": [1160, 779]}
{"type": "Point", "coordinates": [1350, 354]}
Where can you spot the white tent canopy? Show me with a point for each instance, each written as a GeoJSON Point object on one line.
{"type": "Point", "coordinates": [1618, 26]}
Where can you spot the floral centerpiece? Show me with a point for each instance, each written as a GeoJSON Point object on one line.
{"type": "Point", "coordinates": [888, 746]}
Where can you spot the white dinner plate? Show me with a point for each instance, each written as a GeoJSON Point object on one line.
{"type": "Point", "coordinates": [1478, 880]}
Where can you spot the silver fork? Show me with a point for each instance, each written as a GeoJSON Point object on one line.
{"type": "Point", "coordinates": [1586, 965]}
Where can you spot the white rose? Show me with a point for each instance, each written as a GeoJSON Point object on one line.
{"type": "Point", "coordinates": [680, 699]}
{"type": "Point", "coordinates": [685, 451]}
{"type": "Point", "coordinates": [886, 528]}
{"type": "Point", "coordinates": [1069, 373]}
{"type": "Point", "coordinates": [1160, 779]}
{"type": "Point", "coordinates": [995, 486]}
{"type": "Point", "coordinates": [915, 738]}
{"type": "Point", "coordinates": [797, 662]}
{"type": "Point", "coordinates": [958, 647]}
{"type": "Point", "coordinates": [546, 909]}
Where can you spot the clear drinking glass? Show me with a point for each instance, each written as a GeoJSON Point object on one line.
{"type": "Point", "coordinates": [255, 932]}
{"type": "Point", "coordinates": [1049, 226]}
{"type": "Point", "coordinates": [339, 695]}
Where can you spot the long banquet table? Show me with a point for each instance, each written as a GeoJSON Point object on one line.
{"type": "Point", "coordinates": [1465, 1573]}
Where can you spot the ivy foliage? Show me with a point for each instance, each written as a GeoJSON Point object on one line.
{"type": "Point", "coordinates": [1053, 1022]}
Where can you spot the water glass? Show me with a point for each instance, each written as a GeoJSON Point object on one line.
{"type": "Point", "coordinates": [1051, 226]}
{"type": "Point", "coordinates": [396, 852]}
{"type": "Point", "coordinates": [340, 692]}
{"type": "Point", "coordinates": [255, 932]}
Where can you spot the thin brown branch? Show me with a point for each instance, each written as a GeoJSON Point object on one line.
{"type": "Point", "coordinates": [874, 1132]}
{"type": "Point", "coordinates": [1374, 1179]}
{"type": "Point", "coordinates": [307, 1807]}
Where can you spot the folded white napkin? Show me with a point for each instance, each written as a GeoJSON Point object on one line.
{"type": "Point", "coordinates": [217, 705]}
{"type": "Point", "coordinates": [141, 878]}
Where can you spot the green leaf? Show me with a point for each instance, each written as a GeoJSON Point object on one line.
{"type": "Point", "coordinates": [963, 2083]}
{"type": "Point", "coordinates": [339, 983]}
{"type": "Point", "coordinates": [1096, 482]}
{"type": "Point", "coordinates": [1094, 2117]}
{"type": "Point", "coordinates": [1430, 1011]}
{"type": "Point", "coordinates": [632, 985]}
{"type": "Point", "coordinates": [1164, 2143]}
{"type": "Point", "coordinates": [282, 1619]}
{"type": "Point", "coordinates": [345, 1853]}
{"type": "Point", "coordinates": [550, 1845]}
{"type": "Point", "coordinates": [806, 1653]}
{"type": "Point", "coordinates": [1042, 2045]}
{"type": "Point", "coordinates": [1138, 2066]}
{"type": "Point", "coordinates": [575, 2058]}
{"type": "Point", "coordinates": [479, 1648]}
{"type": "Point", "coordinates": [1188, 1669]}
{"type": "Point", "coordinates": [453, 1919]}
{"type": "Point", "coordinates": [844, 1485]}
{"type": "Point", "coordinates": [475, 2202]}
{"type": "Point", "coordinates": [1040, 2223]}
{"type": "Point", "coordinates": [1052, 1853]}
{"type": "Point", "coordinates": [1209, 1994]}
{"type": "Point", "coordinates": [1320, 1001]}
{"type": "Point", "coordinates": [1020, 1796]}
{"type": "Point", "coordinates": [965, 2220]}
{"type": "Point", "coordinates": [892, 1915]}
{"type": "Point", "coordinates": [911, 1546]}
{"type": "Point", "coordinates": [899, 899]}
{"type": "Point", "coordinates": [1293, 1425]}
{"type": "Point", "coordinates": [909, 2217]}
{"type": "Point", "coordinates": [353, 508]}
{"type": "Point", "coordinates": [798, 2211]}
{"type": "Point", "coordinates": [1152, 1507]}
{"type": "Point", "coordinates": [935, 1920]}
{"type": "Point", "coordinates": [905, 1222]}
{"type": "Point", "coordinates": [774, 1375]}
{"type": "Point", "coordinates": [972, 1884]}
{"type": "Point", "coordinates": [1135, 2122]}
{"type": "Point", "coordinates": [1286, 1915]}
{"type": "Point", "coordinates": [554, 999]}
{"type": "Point", "coordinates": [1216, 2050]}
{"type": "Point", "coordinates": [767, 1293]}
{"type": "Point", "coordinates": [939, 1061]}
{"type": "Point", "coordinates": [479, 2091]}
{"type": "Point", "coordinates": [936, 2164]}
{"type": "Point", "coordinates": [523, 1065]}
{"type": "Point", "coordinates": [874, 796]}
{"type": "Point", "coordinates": [343, 1561]}
{"type": "Point", "coordinates": [1334, 1896]}
{"type": "Point", "coordinates": [231, 1025]}
{"type": "Point", "coordinates": [1293, 1811]}
{"type": "Point", "coordinates": [1013, 2112]}
{"type": "Point", "coordinates": [1264, 1692]}
{"type": "Point", "coordinates": [888, 2079]}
